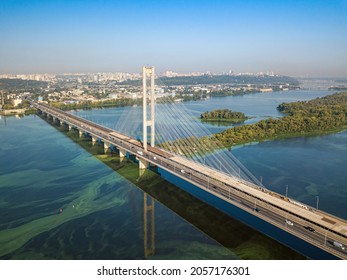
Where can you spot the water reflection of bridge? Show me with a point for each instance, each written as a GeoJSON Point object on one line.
{"type": "Point", "coordinates": [316, 227]}
{"type": "Point", "coordinates": [148, 225]}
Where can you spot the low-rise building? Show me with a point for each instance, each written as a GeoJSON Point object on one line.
{"type": "Point", "coordinates": [16, 101]}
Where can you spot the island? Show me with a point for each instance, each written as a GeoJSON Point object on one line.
{"type": "Point", "coordinates": [223, 115]}
{"type": "Point", "coordinates": [318, 116]}
{"type": "Point", "coordinates": [303, 118]}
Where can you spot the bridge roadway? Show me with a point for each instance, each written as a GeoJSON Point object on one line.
{"type": "Point", "coordinates": [314, 226]}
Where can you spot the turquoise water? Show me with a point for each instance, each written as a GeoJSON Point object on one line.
{"type": "Point", "coordinates": [309, 166]}
{"type": "Point", "coordinates": [256, 106]}
{"type": "Point", "coordinates": [62, 198]}
{"type": "Point", "coordinates": [44, 168]}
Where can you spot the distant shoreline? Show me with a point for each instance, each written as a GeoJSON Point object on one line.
{"type": "Point", "coordinates": [289, 136]}
{"type": "Point", "coordinates": [226, 120]}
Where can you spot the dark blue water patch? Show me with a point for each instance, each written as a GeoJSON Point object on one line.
{"type": "Point", "coordinates": [25, 214]}
{"type": "Point", "coordinates": [258, 224]}
{"type": "Point", "coordinates": [18, 158]}
{"type": "Point", "coordinates": [309, 166]}
{"type": "Point", "coordinates": [33, 203]}
{"type": "Point", "coordinates": [27, 195]}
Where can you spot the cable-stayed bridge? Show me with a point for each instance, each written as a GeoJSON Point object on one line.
{"type": "Point", "coordinates": [221, 176]}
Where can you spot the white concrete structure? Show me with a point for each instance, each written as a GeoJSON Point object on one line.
{"type": "Point", "coordinates": [148, 122]}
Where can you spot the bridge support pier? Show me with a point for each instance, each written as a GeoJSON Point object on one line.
{"type": "Point", "coordinates": [80, 133]}
{"type": "Point", "coordinates": [94, 139]}
{"type": "Point", "coordinates": [122, 153]}
{"type": "Point", "coordinates": [106, 146]}
{"type": "Point", "coordinates": [61, 123]}
{"type": "Point", "coordinates": [143, 164]}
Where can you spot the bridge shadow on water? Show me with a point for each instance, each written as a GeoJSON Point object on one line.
{"type": "Point", "coordinates": [247, 236]}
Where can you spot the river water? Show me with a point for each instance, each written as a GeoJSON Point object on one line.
{"type": "Point", "coordinates": [62, 198]}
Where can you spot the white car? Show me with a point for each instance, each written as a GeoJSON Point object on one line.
{"type": "Point", "coordinates": [182, 171]}
{"type": "Point", "coordinates": [290, 223]}
{"type": "Point", "coordinates": [140, 153]}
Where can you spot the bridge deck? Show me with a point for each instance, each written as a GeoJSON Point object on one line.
{"type": "Point", "coordinates": [304, 211]}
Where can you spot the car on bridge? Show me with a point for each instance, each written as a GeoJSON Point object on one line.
{"type": "Point", "coordinates": [309, 228]}
{"type": "Point", "coordinates": [290, 223]}
{"type": "Point", "coordinates": [339, 245]}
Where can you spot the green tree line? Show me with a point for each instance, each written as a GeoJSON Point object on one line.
{"type": "Point", "coordinates": [223, 114]}
{"type": "Point", "coordinates": [122, 102]}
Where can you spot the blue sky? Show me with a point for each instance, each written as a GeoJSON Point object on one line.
{"type": "Point", "coordinates": [298, 38]}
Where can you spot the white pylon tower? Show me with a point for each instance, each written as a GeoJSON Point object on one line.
{"type": "Point", "coordinates": [148, 122]}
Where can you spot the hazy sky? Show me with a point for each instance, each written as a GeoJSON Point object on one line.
{"type": "Point", "coordinates": [288, 37]}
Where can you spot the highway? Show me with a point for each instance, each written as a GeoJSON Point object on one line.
{"type": "Point", "coordinates": [314, 226]}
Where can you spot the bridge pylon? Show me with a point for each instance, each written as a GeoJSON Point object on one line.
{"type": "Point", "coordinates": [148, 122]}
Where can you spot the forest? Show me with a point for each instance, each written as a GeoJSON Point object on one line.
{"type": "Point", "coordinates": [223, 115]}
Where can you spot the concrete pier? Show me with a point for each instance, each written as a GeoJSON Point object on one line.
{"type": "Point", "coordinates": [143, 164]}
{"type": "Point", "coordinates": [122, 152]}
{"type": "Point", "coordinates": [106, 146]}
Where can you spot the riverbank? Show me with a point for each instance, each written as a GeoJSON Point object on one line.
{"type": "Point", "coordinates": [85, 105]}
{"type": "Point", "coordinates": [124, 102]}
{"type": "Point", "coordinates": [23, 111]}
{"type": "Point", "coordinates": [12, 112]}
{"type": "Point", "coordinates": [291, 135]}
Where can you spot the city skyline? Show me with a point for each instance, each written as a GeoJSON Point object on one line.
{"type": "Point", "coordinates": [297, 39]}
